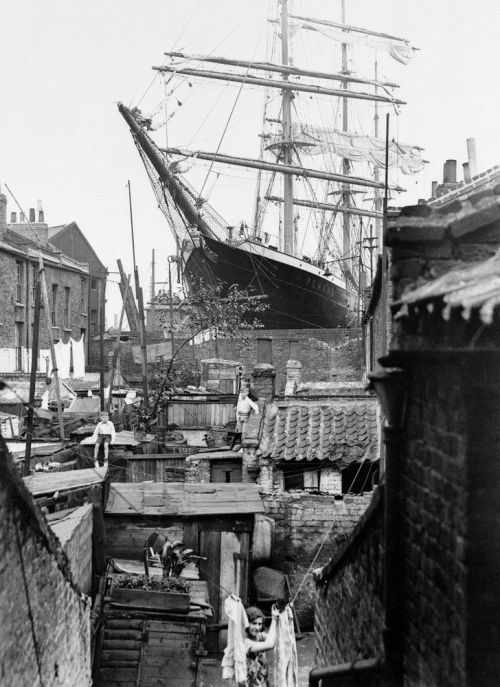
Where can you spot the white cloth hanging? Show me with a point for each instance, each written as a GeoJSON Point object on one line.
{"type": "Point", "coordinates": [286, 667]}
{"type": "Point", "coordinates": [234, 661]}
{"type": "Point", "coordinates": [63, 358]}
{"type": "Point", "coordinates": [78, 357]}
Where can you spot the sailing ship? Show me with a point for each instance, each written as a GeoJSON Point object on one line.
{"type": "Point", "coordinates": [307, 284]}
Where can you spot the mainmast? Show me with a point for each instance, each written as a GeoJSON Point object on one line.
{"type": "Point", "coordinates": [288, 224]}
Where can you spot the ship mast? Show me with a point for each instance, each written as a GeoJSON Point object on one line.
{"type": "Point", "coordinates": [346, 195]}
{"type": "Point", "coordinates": [288, 225]}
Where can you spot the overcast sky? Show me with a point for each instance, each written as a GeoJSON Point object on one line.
{"type": "Point", "coordinates": [65, 64]}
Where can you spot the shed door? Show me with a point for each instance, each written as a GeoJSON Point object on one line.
{"type": "Point", "coordinates": [168, 656]}
{"type": "Point", "coordinates": [226, 571]}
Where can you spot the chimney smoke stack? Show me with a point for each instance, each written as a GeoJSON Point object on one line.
{"type": "Point", "coordinates": [434, 189]}
{"type": "Point", "coordinates": [3, 213]}
{"type": "Point", "coordinates": [472, 155]}
{"type": "Point", "coordinates": [41, 216]}
{"type": "Point", "coordinates": [465, 166]}
{"type": "Point", "coordinates": [450, 172]}
{"type": "Point", "coordinates": [32, 215]}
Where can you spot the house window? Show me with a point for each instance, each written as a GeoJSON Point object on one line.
{"type": "Point", "coordinates": [34, 279]}
{"type": "Point", "coordinates": [225, 472]}
{"type": "Point", "coordinates": [93, 284]}
{"type": "Point", "coordinates": [19, 281]}
{"type": "Point", "coordinates": [359, 477]}
{"type": "Point", "coordinates": [18, 343]}
{"type": "Point", "coordinates": [67, 312]}
{"type": "Point", "coordinates": [83, 296]}
{"type": "Point", "coordinates": [293, 477]}
{"type": "Point", "coordinates": [53, 307]}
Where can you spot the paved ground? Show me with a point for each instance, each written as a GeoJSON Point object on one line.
{"type": "Point", "coordinates": [209, 673]}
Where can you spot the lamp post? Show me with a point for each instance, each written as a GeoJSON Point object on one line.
{"type": "Point", "coordinates": [391, 389]}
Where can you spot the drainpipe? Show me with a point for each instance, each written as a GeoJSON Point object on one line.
{"type": "Point", "coordinates": [362, 667]}
{"type": "Point", "coordinates": [391, 389]}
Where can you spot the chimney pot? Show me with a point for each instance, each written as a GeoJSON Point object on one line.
{"type": "Point", "coordinates": [13, 217]}
{"type": "Point", "coordinates": [472, 156]}
{"type": "Point", "coordinates": [41, 216]}
{"type": "Point", "coordinates": [465, 166]}
{"type": "Point", "coordinates": [3, 213]}
{"type": "Point", "coordinates": [22, 217]}
{"type": "Point", "coordinates": [434, 189]}
{"type": "Point", "coordinates": [32, 215]}
{"type": "Point", "coordinates": [450, 172]}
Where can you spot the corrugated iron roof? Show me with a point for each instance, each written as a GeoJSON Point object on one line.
{"type": "Point", "coordinates": [180, 498]}
{"type": "Point", "coordinates": [337, 430]}
{"type": "Point", "coordinates": [475, 287]}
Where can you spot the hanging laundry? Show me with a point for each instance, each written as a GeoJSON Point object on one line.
{"type": "Point", "coordinates": [63, 358]}
{"type": "Point", "coordinates": [234, 661]}
{"type": "Point", "coordinates": [78, 357]}
{"type": "Point", "coordinates": [286, 667]}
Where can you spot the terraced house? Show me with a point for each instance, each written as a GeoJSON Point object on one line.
{"type": "Point", "coordinates": [22, 245]}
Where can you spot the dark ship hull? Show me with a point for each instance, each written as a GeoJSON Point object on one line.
{"type": "Point", "coordinates": [297, 293]}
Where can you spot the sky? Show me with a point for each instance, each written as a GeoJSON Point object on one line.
{"type": "Point", "coordinates": [66, 63]}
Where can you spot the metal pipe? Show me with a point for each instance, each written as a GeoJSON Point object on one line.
{"type": "Point", "coordinates": [339, 672]}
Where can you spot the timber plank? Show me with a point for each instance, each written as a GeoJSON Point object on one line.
{"type": "Point", "coordinates": [165, 601]}
{"type": "Point", "coordinates": [113, 633]}
{"type": "Point", "coordinates": [120, 644]}
{"type": "Point", "coordinates": [123, 624]}
{"type": "Point", "coordinates": [118, 674]}
{"type": "Point", "coordinates": [169, 626]}
{"type": "Point", "coordinates": [120, 655]}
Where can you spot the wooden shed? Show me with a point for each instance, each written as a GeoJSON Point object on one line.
{"type": "Point", "coordinates": [216, 520]}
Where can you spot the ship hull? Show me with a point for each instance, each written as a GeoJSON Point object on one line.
{"type": "Point", "coordinates": [298, 295]}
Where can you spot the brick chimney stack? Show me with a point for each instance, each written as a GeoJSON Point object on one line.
{"type": "Point", "coordinates": [31, 230]}
{"type": "Point", "coordinates": [264, 374]}
{"type": "Point", "coordinates": [3, 214]}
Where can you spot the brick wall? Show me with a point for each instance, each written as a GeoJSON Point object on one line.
{"type": "Point", "coordinates": [434, 516]}
{"type": "Point", "coordinates": [197, 469]}
{"type": "Point", "coordinates": [325, 354]}
{"type": "Point", "coordinates": [38, 601]}
{"type": "Point", "coordinates": [22, 311]}
{"type": "Point", "coordinates": [303, 522]}
{"type": "Point", "coordinates": [74, 531]}
{"type": "Point", "coordinates": [349, 614]}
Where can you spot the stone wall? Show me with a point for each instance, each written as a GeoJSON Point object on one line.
{"type": "Point", "coordinates": [304, 523]}
{"type": "Point", "coordinates": [349, 604]}
{"type": "Point", "coordinates": [45, 629]}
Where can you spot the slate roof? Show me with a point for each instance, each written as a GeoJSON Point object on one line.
{"type": "Point", "coordinates": [337, 430]}
{"type": "Point", "coordinates": [475, 287]}
{"type": "Point", "coordinates": [20, 242]}
{"type": "Point", "coordinates": [180, 498]}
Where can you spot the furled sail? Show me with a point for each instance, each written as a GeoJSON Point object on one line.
{"type": "Point", "coordinates": [317, 140]}
{"type": "Point", "coordinates": [398, 49]}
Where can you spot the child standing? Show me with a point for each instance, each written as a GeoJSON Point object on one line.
{"type": "Point", "coordinates": [104, 433]}
{"type": "Point", "coordinates": [244, 407]}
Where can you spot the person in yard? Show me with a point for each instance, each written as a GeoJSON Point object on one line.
{"type": "Point", "coordinates": [257, 642]}
{"type": "Point", "coordinates": [244, 407]}
{"type": "Point", "coordinates": [104, 434]}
